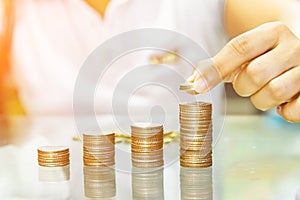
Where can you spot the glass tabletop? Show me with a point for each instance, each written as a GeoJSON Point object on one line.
{"type": "Point", "coordinates": [255, 157]}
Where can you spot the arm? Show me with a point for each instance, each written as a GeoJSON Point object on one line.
{"type": "Point", "coordinates": [243, 15]}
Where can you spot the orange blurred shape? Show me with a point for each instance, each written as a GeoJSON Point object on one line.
{"type": "Point", "coordinates": [9, 101]}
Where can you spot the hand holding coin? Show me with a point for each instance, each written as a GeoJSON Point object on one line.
{"type": "Point", "coordinates": [205, 77]}
{"type": "Point", "coordinates": [262, 64]}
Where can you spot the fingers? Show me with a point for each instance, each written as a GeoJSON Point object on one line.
{"type": "Point", "coordinates": [235, 54]}
{"type": "Point", "coordinates": [261, 64]}
{"type": "Point", "coordinates": [279, 90]}
{"type": "Point", "coordinates": [265, 67]}
{"type": "Point", "coordinates": [246, 47]}
{"type": "Point", "coordinates": [290, 111]}
{"type": "Point", "coordinates": [204, 77]}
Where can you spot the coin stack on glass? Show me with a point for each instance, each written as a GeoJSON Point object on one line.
{"type": "Point", "coordinates": [147, 145]}
{"type": "Point", "coordinates": [147, 183]}
{"type": "Point", "coordinates": [99, 161]}
{"type": "Point", "coordinates": [54, 163]}
{"type": "Point", "coordinates": [99, 182]}
{"type": "Point", "coordinates": [195, 134]}
{"type": "Point", "coordinates": [98, 149]}
{"type": "Point", "coordinates": [196, 183]}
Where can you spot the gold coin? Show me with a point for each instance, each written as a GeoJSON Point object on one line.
{"type": "Point", "coordinates": [99, 138]}
{"type": "Point", "coordinates": [195, 165]}
{"type": "Point", "coordinates": [53, 149]}
{"type": "Point", "coordinates": [168, 140]}
{"type": "Point", "coordinates": [139, 158]}
{"type": "Point", "coordinates": [59, 164]}
{"type": "Point", "coordinates": [98, 162]}
{"type": "Point", "coordinates": [128, 140]}
{"type": "Point", "coordinates": [154, 152]}
{"type": "Point", "coordinates": [146, 133]}
{"type": "Point", "coordinates": [195, 103]}
{"type": "Point", "coordinates": [118, 140]}
{"type": "Point", "coordinates": [149, 138]}
{"type": "Point", "coordinates": [186, 86]}
{"type": "Point", "coordinates": [171, 134]}
{"type": "Point", "coordinates": [146, 125]}
{"type": "Point", "coordinates": [122, 135]}
{"type": "Point", "coordinates": [76, 138]}
{"type": "Point", "coordinates": [144, 150]}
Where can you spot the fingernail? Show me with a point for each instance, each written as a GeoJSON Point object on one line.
{"type": "Point", "coordinates": [200, 85]}
{"type": "Point", "coordinates": [278, 110]}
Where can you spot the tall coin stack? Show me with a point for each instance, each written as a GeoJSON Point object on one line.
{"type": "Point", "coordinates": [195, 134]}
{"type": "Point", "coordinates": [196, 183]}
{"type": "Point", "coordinates": [99, 149]}
{"type": "Point", "coordinates": [147, 145]}
{"type": "Point", "coordinates": [54, 163]}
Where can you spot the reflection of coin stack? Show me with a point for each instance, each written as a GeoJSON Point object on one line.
{"type": "Point", "coordinates": [147, 145]}
{"type": "Point", "coordinates": [147, 184]}
{"type": "Point", "coordinates": [99, 182]}
{"type": "Point", "coordinates": [196, 183]}
{"type": "Point", "coordinates": [53, 163]}
{"type": "Point", "coordinates": [98, 159]}
{"type": "Point", "coordinates": [99, 150]}
{"type": "Point", "coordinates": [195, 134]}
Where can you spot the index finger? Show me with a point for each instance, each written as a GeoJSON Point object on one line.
{"type": "Point", "coordinates": [239, 51]}
{"type": "Point", "coordinates": [246, 47]}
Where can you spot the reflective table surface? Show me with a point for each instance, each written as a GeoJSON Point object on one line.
{"type": "Point", "coordinates": [255, 157]}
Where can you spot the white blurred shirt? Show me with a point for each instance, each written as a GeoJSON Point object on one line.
{"type": "Point", "coordinates": [52, 38]}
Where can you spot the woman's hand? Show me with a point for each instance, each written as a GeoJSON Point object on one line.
{"type": "Point", "coordinates": [263, 64]}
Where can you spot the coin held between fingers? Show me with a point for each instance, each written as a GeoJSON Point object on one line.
{"type": "Point", "coordinates": [188, 87]}
{"type": "Point", "coordinates": [205, 77]}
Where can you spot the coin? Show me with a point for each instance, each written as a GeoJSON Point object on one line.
{"type": "Point", "coordinates": [53, 156]}
{"type": "Point", "coordinates": [195, 134]}
{"type": "Point", "coordinates": [147, 145]}
{"type": "Point", "coordinates": [98, 149]}
{"type": "Point", "coordinates": [186, 86]}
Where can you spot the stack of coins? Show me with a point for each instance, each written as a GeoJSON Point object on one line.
{"type": "Point", "coordinates": [53, 156]}
{"type": "Point", "coordinates": [147, 183]}
{"type": "Point", "coordinates": [196, 183]}
{"type": "Point", "coordinates": [195, 134]}
{"type": "Point", "coordinates": [54, 163]}
{"type": "Point", "coordinates": [99, 182]}
{"type": "Point", "coordinates": [99, 149]}
{"type": "Point", "coordinates": [147, 145]}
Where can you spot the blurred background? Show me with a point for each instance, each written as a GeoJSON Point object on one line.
{"type": "Point", "coordinates": [10, 103]}
{"type": "Point", "coordinates": [9, 99]}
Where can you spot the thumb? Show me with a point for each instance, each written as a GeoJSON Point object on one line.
{"type": "Point", "coordinates": [206, 76]}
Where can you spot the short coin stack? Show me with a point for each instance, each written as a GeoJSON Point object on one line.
{"type": "Point", "coordinates": [99, 149]}
{"type": "Point", "coordinates": [196, 183]}
{"type": "Point", "coordinates": [99, 182]}
{"type": "Point", "coordinates": [195, 134]}
{"type": "Point", "coordinates": [147, 145]}
{"type": "Point", "coordinates": [53, 156]}
{"type": "Point", "coordinates": [54, 163]}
